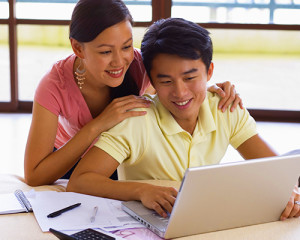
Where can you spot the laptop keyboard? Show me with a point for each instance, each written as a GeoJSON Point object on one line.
{"type": "Point", "coordinates": [90, 234]}
{"type": "Point", "coordinates": [162, 222]}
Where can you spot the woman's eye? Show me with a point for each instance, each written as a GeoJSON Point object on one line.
{"type": "Point", "coordinates": [105, 52]}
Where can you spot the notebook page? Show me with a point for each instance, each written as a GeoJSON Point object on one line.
{"type": "Point", "coordinates": [10, 204]}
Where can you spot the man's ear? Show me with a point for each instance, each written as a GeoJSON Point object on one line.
{"type": "Point", "coordinates": [210, 71]}
{"type": "Point", "coordinates": [77, 48]}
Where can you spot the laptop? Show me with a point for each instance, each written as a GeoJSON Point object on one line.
{"type": "Point", "coordinates": [225, 196]}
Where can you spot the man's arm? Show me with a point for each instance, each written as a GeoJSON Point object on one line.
{"type": "Point", "coordinates": [91, 176]}
{"type": "Point", "coordinates": [255, 147]}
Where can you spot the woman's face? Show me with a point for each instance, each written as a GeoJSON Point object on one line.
{"type": "Point", "coordinates": [109, 55]}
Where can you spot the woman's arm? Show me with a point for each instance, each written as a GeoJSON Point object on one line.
{"type": "Point", "coordinates": [91, 176]}
{"type": "Point", "coordinates": [42, 165]}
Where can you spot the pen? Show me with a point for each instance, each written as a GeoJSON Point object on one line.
{"type": "Point", "coordinates": [94, 214]}
{"type": "Point", "coordinates": [57, 213]}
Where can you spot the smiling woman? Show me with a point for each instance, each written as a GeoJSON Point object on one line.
{"type": "Point", "coordinates": [81, 96]}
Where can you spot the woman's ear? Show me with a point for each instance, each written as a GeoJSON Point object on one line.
{"type": "Point", "coordinates": [77, 48]}
{"type": "Point", "coordinates": [210, 71]}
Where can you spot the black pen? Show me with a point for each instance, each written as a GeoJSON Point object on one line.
{"type": "Point", "coordinates": [57, 213]}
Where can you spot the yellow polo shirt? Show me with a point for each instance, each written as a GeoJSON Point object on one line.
{"type": "Point", "coordinates": [154, 146]}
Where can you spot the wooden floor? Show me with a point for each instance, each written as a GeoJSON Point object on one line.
{"type": "Point", "coordinates": [283, 137]}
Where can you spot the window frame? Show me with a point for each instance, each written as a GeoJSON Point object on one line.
{"type": "Point", "coordinates": [160, 9]}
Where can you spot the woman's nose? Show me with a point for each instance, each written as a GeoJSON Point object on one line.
{"type": "Point", "coordinates": [117, 60]}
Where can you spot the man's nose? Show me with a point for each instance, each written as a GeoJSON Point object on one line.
{"type": "Point", "coordinates": [180, 89]}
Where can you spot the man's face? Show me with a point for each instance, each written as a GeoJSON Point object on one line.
{"type": "Point", "coordinates": [180, 85]}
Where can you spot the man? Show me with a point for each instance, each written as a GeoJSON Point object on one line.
{"type": "Point", "coordinates": [183, 127]}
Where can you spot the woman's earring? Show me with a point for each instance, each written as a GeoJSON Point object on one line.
{"type": "Point", "coordinates": [80, 74]}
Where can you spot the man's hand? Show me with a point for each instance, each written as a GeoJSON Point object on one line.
{"type": "Point", "coordinates": [292, 208]}
{"type": "Point", "coordinates": [160, 199]}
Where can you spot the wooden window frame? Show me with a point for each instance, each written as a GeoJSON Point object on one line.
{"type": "Point", "coordinates": [160, 9]}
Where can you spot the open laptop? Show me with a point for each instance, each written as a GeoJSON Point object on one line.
{"type": "Point", "coordinates": [224, 196]}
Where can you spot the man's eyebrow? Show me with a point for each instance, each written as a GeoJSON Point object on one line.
{"type": "Point", "coordinates": [109, 45]}
{"type": "Point", "coordinates": [190, 71]}
{"type": "Point", "coordinates": [160, 75]}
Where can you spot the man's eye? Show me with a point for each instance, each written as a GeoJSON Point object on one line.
{"type": "Point", "coordinates": [189, 78]}
{"type": "Point", "coordinates": [127, 47]}
{"type": "Point", "coordinates": [165, 82]}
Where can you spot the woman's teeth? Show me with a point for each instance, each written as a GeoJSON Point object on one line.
{"type": "Point", "coordinates": [115, 72]}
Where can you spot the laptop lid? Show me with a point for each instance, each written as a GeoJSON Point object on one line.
{"type": "Point", "coordinates": [224, 196]}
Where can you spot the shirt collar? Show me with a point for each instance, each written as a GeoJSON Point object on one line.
{"type": "Point", "coordinates": [168, 124]}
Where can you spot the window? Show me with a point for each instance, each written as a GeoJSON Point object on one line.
{"type": "Point", "coordinates": [255, 46]}
{"type": "Point", "coordinates": [240, 11]}
{"type": "Point", "coordinates": [3, 9]}
{"type": "Point", "coordinates": [4, 65]}
{"type": "Point", "coordinates": [264, 64]}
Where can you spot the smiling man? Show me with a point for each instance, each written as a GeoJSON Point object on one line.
{"type": "Point", "coordinates": [183, 127]}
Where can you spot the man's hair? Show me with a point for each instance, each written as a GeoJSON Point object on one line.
{"type": "Point", "coordinates": [176, 36]}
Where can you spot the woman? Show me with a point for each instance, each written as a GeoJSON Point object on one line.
{"type": "Point", "coordinates": [90, 91]}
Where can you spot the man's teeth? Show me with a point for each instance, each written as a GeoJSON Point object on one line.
{"type": "Point", "coordinates": [115, 72]}
{"type": "Point", "coordinates": [182, 103]}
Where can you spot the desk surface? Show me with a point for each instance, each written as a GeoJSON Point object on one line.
{"type": "Point", "coordinates": [24, 226]}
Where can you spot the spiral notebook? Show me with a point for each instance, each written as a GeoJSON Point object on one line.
{"type": "Point", "coordinates": [14, 203]}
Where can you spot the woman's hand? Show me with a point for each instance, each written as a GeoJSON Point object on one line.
{"type": "Point", "coordinates": [119, 109]}
{"type": "Point", "coordinates": [292, 208]}
{"type": "Point", "coordinates": [228, 94]}
{"type": "Point", "coordinates": [160, 199]}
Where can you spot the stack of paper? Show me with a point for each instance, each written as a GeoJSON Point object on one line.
{"type": "Point", "coordinates": [109, 216]}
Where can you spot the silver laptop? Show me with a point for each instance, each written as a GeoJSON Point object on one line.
{"type": "Point", "coordinates": [224, 196]}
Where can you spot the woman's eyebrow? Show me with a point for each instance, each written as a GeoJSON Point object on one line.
{"type": "Point", "coordinates": [109, 45]}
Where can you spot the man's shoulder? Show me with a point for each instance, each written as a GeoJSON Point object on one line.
{"type": "Point", "coordinates": [138, 123]}
{"type": "Point", "coordinates": [212, 103]}
{"type": "Point", "coordinates": [213, 100]}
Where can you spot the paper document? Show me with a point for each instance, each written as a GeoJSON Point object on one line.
{"type": "Point", "coordinates": [10, 204]}
{"type": "Point", "coordinates": [109, 212]}
{"type": "Point", "coordinates": [137, 234]}
{"type": "Point", "coordinates": [14, 203]}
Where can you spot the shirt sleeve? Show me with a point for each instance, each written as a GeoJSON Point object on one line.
{"type": "Point", "coordinates": [127, 140]}
{"type": "Point", "coordinates": [47, 93]}
{"type": "Point", "coordinates": [241, 126]}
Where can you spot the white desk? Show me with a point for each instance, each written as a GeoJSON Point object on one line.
{"type": "Point", "coordinates": [24, 226]}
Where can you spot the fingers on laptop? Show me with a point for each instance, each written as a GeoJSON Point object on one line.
{"type": "Point", "coordinates": [162, 200]}
{"type": "Point", "coordinates": [296, 208]}
{"type": "Point", "coordinates": [165, 201]}
{"type": "Point", "coordinates": [293, 207]}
